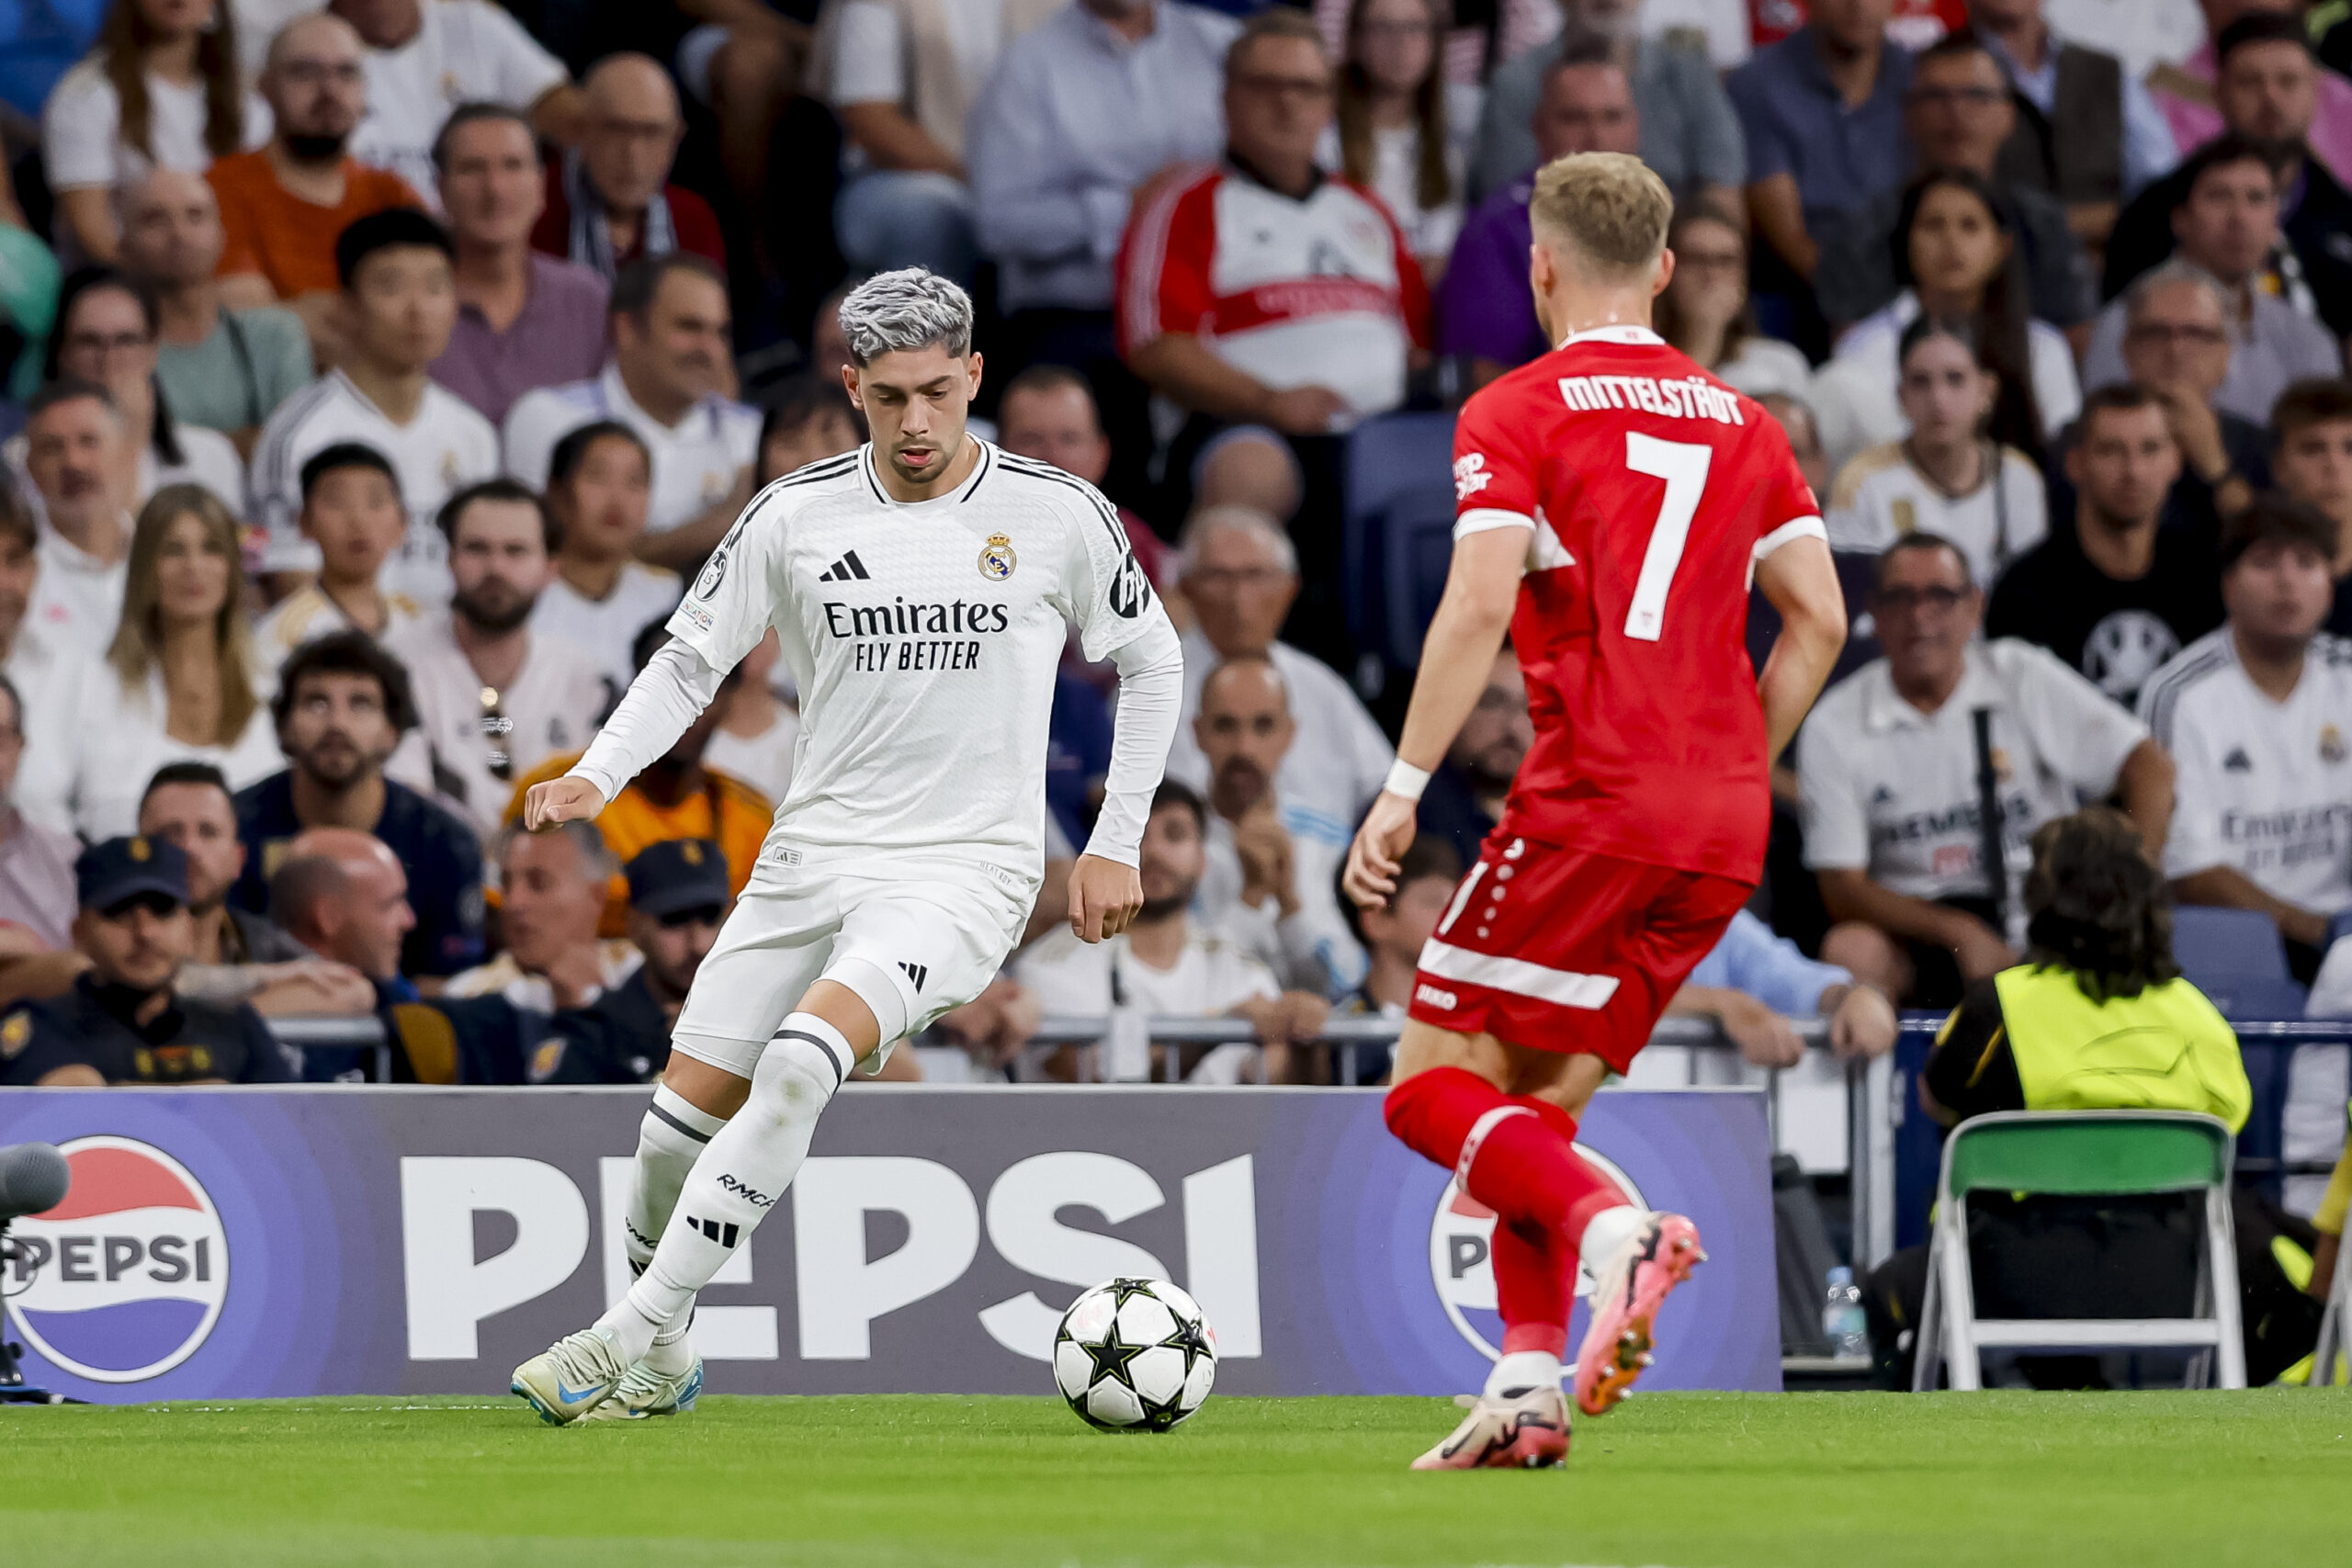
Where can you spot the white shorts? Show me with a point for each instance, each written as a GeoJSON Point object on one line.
{"type": "Point", "coordinates": [914, 937]}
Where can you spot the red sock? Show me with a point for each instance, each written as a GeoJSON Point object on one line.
{"type": "Point", "coordinates": [1590, 1192]}
{"type": "Point", "coordinates": [1532, 1289]}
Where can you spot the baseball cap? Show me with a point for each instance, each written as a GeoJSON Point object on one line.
{"type": "Point", "coordinates": [677, 874]}
{"type": "Point", "coordinates": [116, 870]}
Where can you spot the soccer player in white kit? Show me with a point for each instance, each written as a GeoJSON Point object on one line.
{"type": "Point", "coordinates": [920, 587]}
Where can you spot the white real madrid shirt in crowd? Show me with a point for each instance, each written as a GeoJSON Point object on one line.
{"type": "Point", "coordinates": [87, 776]}
{"type": "Point", "coordinates": [464, 51]}
{"type": "Point", "coordinates": [1211, 976]}
{"type": "Point", "coordinates": [607, 627]}
{"type": "Point", "coordinates": [923, 637]}
{"type": "Point", "coordinates": [2263, 786]}
{"type": "Point", "coordinates": [551, 706]}
{"type": "Point", "coordinates": [80, 134]}
{"type": "Point", "coordinates": [77, 598]}
{"type": "Point", "coordinates": [447, 446]}
{"type": "Point", "coordinates": [695, 461]}
{"type": "Point", "coordinates": [1310, 951]}
{"type": "Point", "coordinates": [1879, 496]}
{"type": "Point", "coordinates": [1338, 759]}
{"type": "Point", "coordinates": [502, 977]}
{"type": "Point", "coordinates": [1891, 792]}
{"type": "Point", "coordinates": [308, 614]}
{"type": "Point", "coordinates": [207, 458]}
{"type": "Point", "coordinates": [762, 760]}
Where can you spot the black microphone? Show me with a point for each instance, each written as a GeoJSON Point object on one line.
{"type": "Point", "coordinates": [33, 1179]}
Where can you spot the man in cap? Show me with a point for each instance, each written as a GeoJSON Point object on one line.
{"type": "Point", "coordinates": [120, 1023]}
{"type": "Point", "coordinates": [678, 892]}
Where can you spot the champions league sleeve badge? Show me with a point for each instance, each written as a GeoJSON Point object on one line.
{"type": "Point", "coordinates": [997, 559]}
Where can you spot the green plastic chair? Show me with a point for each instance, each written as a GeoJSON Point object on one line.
{"type": "Point", "coordinates": [2082, 1153]}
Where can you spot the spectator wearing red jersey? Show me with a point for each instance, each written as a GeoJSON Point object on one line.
{"type": "Point", "coordinates": [610, 200]}
{"type": "Point", "coordinates": [1270, 302]}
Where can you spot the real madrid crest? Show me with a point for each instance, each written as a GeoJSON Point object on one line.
{"type": "Point", "coordinates": [997, 559]}
{"type": "Point", "coordinates": [2331, 749]}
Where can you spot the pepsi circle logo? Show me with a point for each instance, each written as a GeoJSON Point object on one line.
{"type": "Point", "coordinates": [1462, 1236]}
{"type": "Point", "coordinates": [124, 1279]}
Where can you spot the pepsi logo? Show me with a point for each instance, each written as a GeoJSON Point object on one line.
{"type": "Point", "coordinates": [1462, 1236]}
{"type": "Point", "coordinates": [124, 1279]}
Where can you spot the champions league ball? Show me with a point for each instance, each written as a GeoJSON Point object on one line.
{"type": "Point", "coordinates": [1134, 1355]}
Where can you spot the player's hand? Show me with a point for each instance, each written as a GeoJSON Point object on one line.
{"type": "Point", "coordinates": [1979, 949]}
{"type": "Point", "coordinates": [567, 799]}
{"type": "Point", "coordinates": [1765, 1039]}
{"type": "Point", "coordinates": [1380, 846]}
{"type": "Point", "coordinates": [1304, 411]}
{"type": "Point", "coordinates": [1104, 897]}
{"type": "Point", "coordinates": [1863, 1024]}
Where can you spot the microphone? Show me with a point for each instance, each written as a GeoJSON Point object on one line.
{"type": "Point", "coordinates": [33, 1179]}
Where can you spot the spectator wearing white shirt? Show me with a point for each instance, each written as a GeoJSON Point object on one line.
{"type": "Point", "coordinates": [758, 738]}
{"type": "Point", "coordinates": [163, 89]}
{"type": "Point", "coordinates": [1240, 577]}
{"type": "Point", "coordinates": [37, 888]}
{"type": "Point", "coordinates": [905, 74]}
{"type": "Point", "coordinates": [2258, 717]}
{"type": "Point", "coordinates": [602, 596]}
{"type": "Point", "coordinates": [1947, 476]}
{"type": "Point", "coordinates": [425, 57]}
{"type": "Point", "coordinates": [224, 369]}
{"type": "Point", "coordinates": [495, 699]}
{"type": "Point", "coordinates": [668, 381]}
{"type": "Point", "coordinates": [31, 661]}
{"type": "Point", "coordinates": [108, 330]}
{"type": "Point", "coordinates": [84, 466]}
{"type": "Point", "coordinates": [1082, 111]}
{"type": "Point", "coordinates": [1896, 764]}
{"type": "Point", "coordinates": [399, 298]}
{"type": "Point", "coordinates": [1706, 314]}
{"type": "Point", "coordinates": [1403, 131]}
{"type": "Point", "coordinates": [1169, 964]}
{"type": "Point", "coordinates": [1273, 876]}
{"type": "Point", "coordinates": [352, 513]}
{"type": "Point", "coordinates": [175, 686]}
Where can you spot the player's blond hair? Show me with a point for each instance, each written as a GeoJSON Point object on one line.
{"type": "Point", "coordinates": [1605, 210]}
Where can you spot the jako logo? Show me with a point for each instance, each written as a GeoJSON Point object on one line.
{"type": "Point", "coordinates": [1462, 1236]}
{"type": "Point", "coordinates": [124, 1279]}
{"type": "Point", "coordinates": [1435, 997]}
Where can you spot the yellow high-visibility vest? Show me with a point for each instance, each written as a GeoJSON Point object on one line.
{"type": "Point", "coordinates": [2165, 1049]}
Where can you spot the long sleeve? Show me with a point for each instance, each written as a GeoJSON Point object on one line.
{"type": "Point", "coordinates": [1151, 696]}
{"type": "Point", "coordinates": [668, 695]}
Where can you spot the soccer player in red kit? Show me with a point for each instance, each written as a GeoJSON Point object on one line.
{"type": "Point", "coordinates": [1615, 502]}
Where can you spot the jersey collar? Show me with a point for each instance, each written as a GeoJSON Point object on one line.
{"type": "Point", "coordinates": [1634, 337]}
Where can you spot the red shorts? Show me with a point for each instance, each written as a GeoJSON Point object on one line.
{"type": "Point", "coordinates": [1554, 948]}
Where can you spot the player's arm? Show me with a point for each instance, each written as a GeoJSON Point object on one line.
{"type": "Point", "coordinates": [1800, 581]}
{"type": "Point", "coordinates": [1105, 886]}
{"type": "Point", "coordinates": [668, 695]}
{"type": "Point", "coordinates": [1481, 589]}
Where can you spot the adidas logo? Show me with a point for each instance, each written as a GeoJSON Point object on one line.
{"type": "Point", "coordinates": [917, 972]}
{"type": "Point", "coordinates": [2237, 762]}
{"type": "Point", "coordinates": [849, 568]}
{"type": "Point", "coordinates": [724, 1234]}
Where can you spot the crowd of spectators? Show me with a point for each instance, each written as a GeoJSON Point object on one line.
{"type": "Point", "coordinates": [377, 371]}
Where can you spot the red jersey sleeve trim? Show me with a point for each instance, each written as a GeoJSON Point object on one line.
{"type": "Point", "coordinates": [1164, 260]}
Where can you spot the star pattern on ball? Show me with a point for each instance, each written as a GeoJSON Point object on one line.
{"type": "Point", "coordinates": [1191, 1338]}
{"type": "Point", "coordinates": [1123, 1291]}
{"type": "Point", "coordinates": [1111, 1359]}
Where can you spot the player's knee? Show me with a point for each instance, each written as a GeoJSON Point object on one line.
{"type": "Point", "coordinates": [795, 1080]}
{"type": "Point", "coordinates": [883, 993]}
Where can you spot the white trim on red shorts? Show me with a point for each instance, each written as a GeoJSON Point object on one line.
{"type": "Point", "coordinates": [1561, 987]}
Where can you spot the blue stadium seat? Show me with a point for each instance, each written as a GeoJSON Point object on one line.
{"type": "Point", "coordinates": [1399, 530]}
{"type": "Point", "coordinates": [2236, 958]}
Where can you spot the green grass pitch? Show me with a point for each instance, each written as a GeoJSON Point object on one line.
{"type": "Point", "coordinates": [2261, 1478]}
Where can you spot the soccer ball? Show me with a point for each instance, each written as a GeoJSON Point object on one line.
{"type": "Point", "coordinates": [1134, 1355]}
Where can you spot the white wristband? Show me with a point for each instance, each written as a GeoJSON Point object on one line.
{"type": "Point", "coordinates": [1407, 780]}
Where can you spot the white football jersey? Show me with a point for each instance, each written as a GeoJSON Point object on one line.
{"type": "Point", "coordinates": [923, 638]}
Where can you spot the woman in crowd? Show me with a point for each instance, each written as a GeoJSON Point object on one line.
{"type": "Point", "coordinates": [108, 332]}
{"type": "Point", "coordinates": [177, 685]}
{"type": "Point", "coordinates": [1947, 476]}
{"type": "Point", "coordinates": [162, 89]}
{"type": "Point", "coordinates": [1705, 311]}
{"type": "Point", "coordinates": [1955, 254]}
{"type": "Point", "coordinates": [1402, 130]}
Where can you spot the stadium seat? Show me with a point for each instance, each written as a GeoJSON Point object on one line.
{"type": "Point", "coordinates": [2237, 959]}
{"type": "Point", "coordinates": [2081, 1153]}
{"type": "Point", "coordinates": [1399, 530]}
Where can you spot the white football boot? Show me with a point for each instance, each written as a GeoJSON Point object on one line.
{"type": "Point", "coordinates": [1527, 1429]}
{"type": "Point", "coordinates": [645, 1392]}
{"type": "Point", "coordinates": [572, 1376]}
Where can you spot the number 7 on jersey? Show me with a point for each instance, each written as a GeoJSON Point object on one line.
{"type": "Point", "coordinates": [1683, 467]}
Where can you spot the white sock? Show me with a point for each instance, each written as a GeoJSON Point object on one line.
{"type": "Point", "coordinates": [675, 1132]}
{"type": "Point", "coordinates": [1523, 1369]}
{"type": "Point", "coordinates": [1606, 1232]}
{"type": "Point", "coordinates": [738, 1179]}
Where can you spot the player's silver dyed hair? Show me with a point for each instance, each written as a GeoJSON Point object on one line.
{"type": "Point", "coordinates": [899, 313]}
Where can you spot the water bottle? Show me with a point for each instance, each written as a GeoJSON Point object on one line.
{"type": "Point", "coordinates": [1842, 1323]}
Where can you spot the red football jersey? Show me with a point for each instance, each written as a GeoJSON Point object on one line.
{"type": "Point", "coordinates": [1652, 489]}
